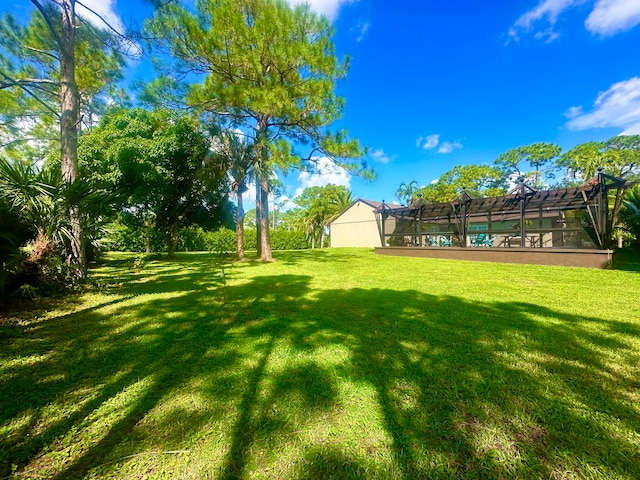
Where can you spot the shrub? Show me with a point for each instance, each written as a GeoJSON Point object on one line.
{"type": "Point", "coordinates": [125, 238]}
{"type": "Point", "coordinates": [288, 240]}
{"type": "Point", "coordinates": [281, 239]}
{"type": "Point", "coordinates": [222, 240]}
{"type": "Point", "coordinates": [192, 239]}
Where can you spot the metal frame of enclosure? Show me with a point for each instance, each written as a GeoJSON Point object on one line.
{"type": "Point", "coordinates": [575, 218]}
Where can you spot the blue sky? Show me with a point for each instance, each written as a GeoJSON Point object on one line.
{"type": "Point", "coordinates": [434, 84]}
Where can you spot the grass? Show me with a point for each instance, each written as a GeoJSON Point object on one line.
{"type": "Point", "coordinates": [326, 364]}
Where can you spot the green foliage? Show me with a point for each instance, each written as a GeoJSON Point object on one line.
{"type": "Point", "coordinates": [131, 237]}
{"type": "Point", "coordinates": [477, 180]}
{"type": "Point", "coordinates": [269, 67]}
{"type": "Point", "coordinates": [406, 191]}
{"type": "Point", "coordinates": [320, 206]}
{"type": "Point", "coordinates": [30, 79]}
{"type": "Point", "coordinates": [159, 161]}
{"type": "Point", "coordinates": [630, 213]}
{"type": "Point", "coordinates": [539, 157]}
{"type": "Point", "coordinates": [619, 156]}
{"type": "Point", "coordinates": [14, 232]}
{"type": "Point", "coordinates": [281, 239]}
{"type": "Point", "coordinates": [222, 240]}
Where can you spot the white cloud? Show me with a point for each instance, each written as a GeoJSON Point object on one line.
{"type": "Point", "coordinates": [364, 28]}
{"type": "Point", "coordinates": [609, 17]}
{"type": "Point", "coordinates": [619, 106]}
{"type": "Point", "coordinates": [381, 157]}
{"type": "Point", "coordinates": [104, 8]}
{"type": "Point", "coordinates": [326, 172]}
{"type": "Point", "coordinates": [106, 18]}
{"type": "Point", "coordinates": [323, 7]}
{"type": "Point", "coordinates": [448, 147]}
{"type": "Point", "coordinates": [430, 141]}
{"type": "Point", "coordinates": [546, 12]}
{"type": "Point", "coordinates": [433, 141]}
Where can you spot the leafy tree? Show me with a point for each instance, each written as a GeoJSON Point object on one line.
{"type": "Point", "coordinates": [270, 68]}
{"type": "Point", "coordinates": [537, 156]}
{"type": "Point", "coordinates": [47, 66]}
{"type": "Point", "coordinates": [250, 218]}
{"type": "Point", "coordinates": [238, 154]}
{"type": "Point", "coordinates": [477, 180]}
{"type": "Point", "coordinates": [619, 156]}
{"type": "Point", "coordinates": [160, 161]}
{"type": "Point", "coordinates": [320, 206]}
{"type": "Point", "coordinates": [406, 191]}
{"type": "Point", "coordinates": [622, 156]}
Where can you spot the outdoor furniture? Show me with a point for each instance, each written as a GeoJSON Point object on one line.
{"type": "Point", "coordinates": [483, 240]}
{"type": "Point", "coordinates": [445, 241]}
{"type": "Point", "coordinates": [479, 240]}
{"type": "Point", "coordinates": [488, 241]}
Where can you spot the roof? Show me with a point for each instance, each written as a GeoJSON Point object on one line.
{"type": "Point", "coordinates": [372, 203]}
{"type": "Point", "coordinates": [558, 199]}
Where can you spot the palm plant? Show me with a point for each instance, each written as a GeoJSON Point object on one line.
{"type": "Point", "coordinates": [406, 191]}
{"type": "Point", "coordinates": [630, 213]}
{"type": "Point", "coordinates": [239, 157]}
{"type": "Point", "coordinates": [41, 199]}
{"type": "Point", "coordinates": [37, 196]}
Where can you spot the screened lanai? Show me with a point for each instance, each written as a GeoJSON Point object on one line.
{"type": "Point", "coordinates": [569, 218]}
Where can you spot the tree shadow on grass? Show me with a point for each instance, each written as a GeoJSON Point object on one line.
{"type": "Point", "coordinates": [627, 259]}
{"type": "Point", "coordinates": [460, 389]}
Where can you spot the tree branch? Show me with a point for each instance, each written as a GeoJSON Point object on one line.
{"type": "Point", "coordinates": [47, 19]}
{"type": "Point", "coordinates": [28, 91]}
{"type": "Point", "coordinates": [37, 50]}
{"type": "Point", "coordinates": [124, 38]}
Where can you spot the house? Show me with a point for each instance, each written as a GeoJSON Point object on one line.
{"type": "Point", "coordinates": [358, 225]}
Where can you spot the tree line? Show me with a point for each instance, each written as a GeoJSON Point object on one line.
{"type": "Point", "coordinates": [243, 88]}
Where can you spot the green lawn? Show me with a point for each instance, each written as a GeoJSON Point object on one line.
{"type": "Point", "coordinates": [326, 364]}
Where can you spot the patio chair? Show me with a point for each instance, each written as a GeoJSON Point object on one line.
{"type": "Point", "coordinates": [479, 240]}
{"type": "Point", "coordinates": [488, 241]}
{"type": "Point", "coordinates": [445, 241]}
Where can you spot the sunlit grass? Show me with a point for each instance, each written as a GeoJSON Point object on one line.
{"type": "Point", "coordinates": [326, 364]}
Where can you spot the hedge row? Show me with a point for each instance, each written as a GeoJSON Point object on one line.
{"type": "Point", "coordinates": [194, 239]}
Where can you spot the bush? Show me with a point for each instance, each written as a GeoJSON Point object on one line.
{"type": "Point", "coordinates": [27, 276]}
{"type": "Point", "coordinates": [288, 240]}
{"type": "Point", "coordinates": [280, 240]}
{"type": "Point", "coordinates": [192, 239]}
{"type": "Point", "coordinates": [124, 238]}
{"type": "Point", "coordinates": [222, 240]}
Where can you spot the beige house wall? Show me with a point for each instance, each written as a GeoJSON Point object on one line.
{"type": "Point", "coordinates": [356, 227]}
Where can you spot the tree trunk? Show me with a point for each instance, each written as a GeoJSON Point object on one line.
{"type": "Point", "coordinates": [147, 238]}
{"type": "Point", "coordinates": [258, 217]}
{"type": "Point", "coordinates": [69, 103]}
{"type": "Point", "coordinates": [265, 241]}
{"type": "Point", "coordinates": [322, 238]}
{"type": "Point", "coordinates": [262, 193]}
{"type": "Point", "coordinates": [240, 227]}
{"type": "Point", "coordinates": [172, 240]}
